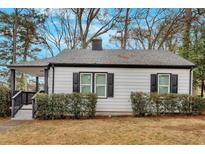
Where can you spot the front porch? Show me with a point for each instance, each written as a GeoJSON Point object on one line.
{"type": "Point", "coordinates": [23, 102]}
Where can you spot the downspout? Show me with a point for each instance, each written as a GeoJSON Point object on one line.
{"type": "Point", "coordinates": [190, 81]}
{"type": "Point", "coordinates": [13, 82]}
{"type": "Point", "coordinates": [46, 80]}
{"type": "Point", "coordinates": [53, 78]}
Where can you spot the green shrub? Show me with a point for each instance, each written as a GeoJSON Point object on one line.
{"type": "Point", "coordinates": [198, 104]}
{"type": "Point", "coordinates": [186, 102]}
{"type": "Point", "coordinates": [140, 103]}
{"type": "Point", "coordinates": [43, 106]}
{"type": "Point", "coordinates": [57, 106]}
{"type": "Point", "coordinates": [157, 104]}
{"type": "Point", "coordinates": [4, 101]}
{"type": "Point", "coordinates": [90, 101]}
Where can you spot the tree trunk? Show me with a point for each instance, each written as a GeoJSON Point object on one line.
{"type": "Point", "coordinates": [25, 54]}
{"type": "Point", "coordinates": [187, 27]}
{"type": "Point", "coordinates": [121, 39]}
{"type": "Point", "coordinates": [15, 27]}
{"type": "Point", "coordinates": [126, 29]}
{"type": "Point", "coordinates": [202, 88]}
{"type": "Point", "coordinates": [84, 44]}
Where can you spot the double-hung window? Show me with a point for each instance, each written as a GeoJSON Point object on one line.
{"type": "Point", "coordinates": [86, 83]}
{"type": "Point", "coordinates": [94, 83]}
{"type": "Point", "coordinates": [101, 84]}
{"type": "Point", "coordinates": [163, 83]}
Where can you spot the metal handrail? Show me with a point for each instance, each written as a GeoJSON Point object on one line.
{"type": "Point", "coordinates": [33, 103]}
{"type": "Point", "coordinates": [35, 94]}
{"type": "Point", "coordinates": [16, 94]}
{"type": "Point", "coordinates": [19, 99]}
{"type": "Point", "coordinates": [16, 107]}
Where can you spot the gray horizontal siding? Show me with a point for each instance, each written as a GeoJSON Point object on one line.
{"type": "Point", "coordinates": [125, 81]}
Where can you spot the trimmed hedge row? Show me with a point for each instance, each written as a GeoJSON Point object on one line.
{"type": "Point", "coordinates": [56, 106]}
{"type": "Point", "coordinates": [156, 104]}
{"type": "Point", "coordinates": [4, 101]}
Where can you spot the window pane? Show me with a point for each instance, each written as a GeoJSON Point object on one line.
{"type": "Point", "coordinates": [85, 89]}
{"type": "Point", "coordinates": [100, 78]}
{"type": "Point", "coordinates": [85, 78]}
{"type": "Point", "coordinates": [100, 90]}
{"type": "Point", "coordinates": [163, 90]}
{"type": "Point", "coordinates": [164, 79]}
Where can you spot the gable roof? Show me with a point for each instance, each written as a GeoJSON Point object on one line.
{"type": "Point", "coordinates": [131, 58]}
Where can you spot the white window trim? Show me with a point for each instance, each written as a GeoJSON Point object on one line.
{"type": "Point", "coordinates": [91, 84]}
{"type": "Point", "coordinates": [163, 85]}
{"type": "Point", "coordinates": [105, 85]}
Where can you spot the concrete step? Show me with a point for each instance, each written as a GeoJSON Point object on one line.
{"type": "Point", "coordinates": [23, 115]}
{"type": "Point", "coordinates": [27, 107]}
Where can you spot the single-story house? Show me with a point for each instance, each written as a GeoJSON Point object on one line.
{"type": "Point", "coordinates": [111, 74]}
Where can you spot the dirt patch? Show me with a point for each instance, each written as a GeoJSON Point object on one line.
{"type": "Point", "coordinates": [11, 124]}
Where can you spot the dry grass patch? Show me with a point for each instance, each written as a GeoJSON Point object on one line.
{"type": "Point", "coordinates": [2, 120]}
{"type": "Point", "coordinates": [129, 130]}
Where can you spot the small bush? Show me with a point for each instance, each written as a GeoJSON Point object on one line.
{"type": "Point", "coordinates": [4, 101]}
{"type": "Point", "coordinates": [57, 106]}
{"type": "Point", "coordinates": [140, 103]}
{"type": "Point", "coordinates": [198, 104]}
{"type": "Point", "coordinates": [158, 104]}
{"type": "Point", "coordinates": [77, 105]}
{"type": "Point", "coordinates": [91, 101]}
{"type": "Point", "coordinates": [43, 106]}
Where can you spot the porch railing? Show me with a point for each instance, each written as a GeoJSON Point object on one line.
{"type": "Point", "coordinates": [19, 99]}
{"type": "Point", "coordinates": [34, 102]}
{"type": "Point", "coordinates": [17, 103]}
{"type": "Point", "coordinates": [27, 97]}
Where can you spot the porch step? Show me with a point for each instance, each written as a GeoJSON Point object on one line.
{"type": "Point", "coordinates": [26, 107]}
{"type": "Point", "coordinates": [25, 113]}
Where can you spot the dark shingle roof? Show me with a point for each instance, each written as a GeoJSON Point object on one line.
{"type": "Point", "coordinates": [113, 57]}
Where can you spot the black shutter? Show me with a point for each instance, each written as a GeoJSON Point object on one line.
{"type": "Point", "coordinates": [174, 83]}
{"type": "Point", "coordinates": [153, 84]}
{"type": "Point", "coordinates": [76, 82]}
{"type": "Point", "coordinates": [110, 84]}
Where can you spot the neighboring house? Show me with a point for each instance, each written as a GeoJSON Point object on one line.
{"type": "Point", "coordinates": [111, 74]}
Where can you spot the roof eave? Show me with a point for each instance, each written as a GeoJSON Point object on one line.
{"type": "Point", "coordinates": [12, 66]}
{"type": "Point", "coordinates": [122, 65]}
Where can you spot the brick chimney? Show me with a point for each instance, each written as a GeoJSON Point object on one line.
{"type": "Point", "coordinates": [97, 44]}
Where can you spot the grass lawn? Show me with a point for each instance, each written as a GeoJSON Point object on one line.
{"type": "Point", "coordinates": [2, 120]}
{"type": "Point", "coordinates": [118, 130]}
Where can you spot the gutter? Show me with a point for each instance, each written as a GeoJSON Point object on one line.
{"type": "Point", "coordinates": [121, 65]}
{"type": "Point", "coordinates": [190, 81]}
{"type": "Point", "coordinates": [14, 66]}
{"type": "Point", "coordinates": [53, 78]}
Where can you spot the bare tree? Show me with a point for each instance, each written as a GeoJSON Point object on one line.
{"type": "Point", "coordinates": [121, 38]}
{"type": "Point", "coordinates": [155, 27]}
{"type": "Point", "coordinates": [126, 29]}
{"type": "Point", "coordinates": [60, 30]}
{"type": "Point", "coordinates": [69, 27]}
{"type": "Point", "coordinates": [101, 18]}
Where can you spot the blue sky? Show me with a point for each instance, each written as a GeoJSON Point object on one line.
{"type": "Point", "coordinates": [105, 37]}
